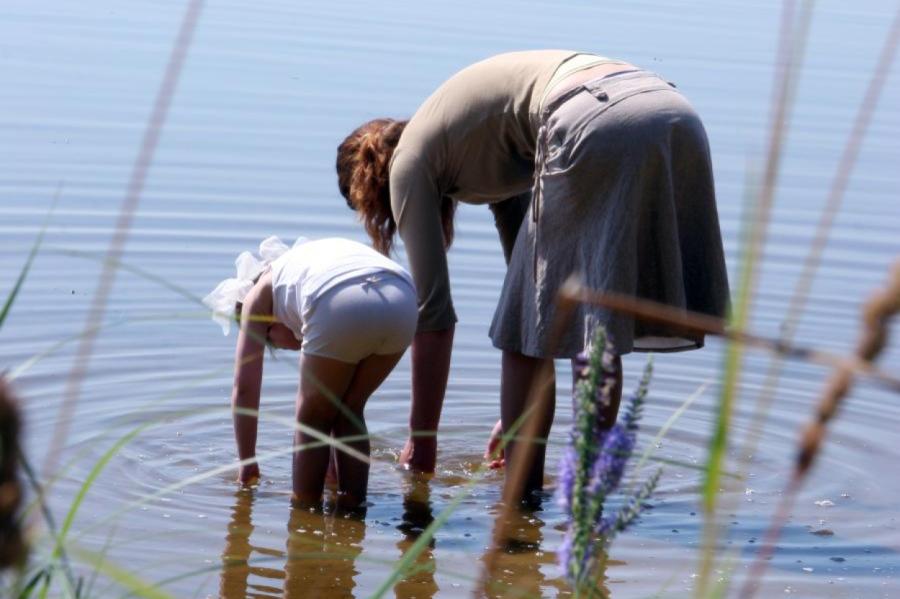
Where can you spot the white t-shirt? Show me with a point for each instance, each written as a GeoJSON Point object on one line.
{"type": "Point", "coordinates": [302, 274]}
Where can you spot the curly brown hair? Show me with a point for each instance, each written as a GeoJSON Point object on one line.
{"type": "Point", "coordinates": [363, 169]}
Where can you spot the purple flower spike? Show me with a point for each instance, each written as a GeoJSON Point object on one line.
{"type": "Point", "coordinates": [594, 463]}
{"type": "Point", "coordinates": [617, 448]}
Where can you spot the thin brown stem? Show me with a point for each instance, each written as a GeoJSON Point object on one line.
{"type": "Point", "coordinates": [826, 220]}
{"type": "Point", "coordinates": [122, 229]}
{"type": "Point", "coordinates": [779, 520]}
{"type": "Point", "coordinates": [709, 325]}
{"type": "Point", "coordinates": [877, 313]}
{"type": "Point", "coordinates": [519, 468]}
{"type": "Point", "coordinates": [785, 83]}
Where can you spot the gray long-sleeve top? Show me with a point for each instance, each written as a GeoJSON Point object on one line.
{"type": "Point", "coordinates": [473, 140]}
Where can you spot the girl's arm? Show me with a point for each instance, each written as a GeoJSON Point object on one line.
{"type": "Point", "coordinates": [256, 316]}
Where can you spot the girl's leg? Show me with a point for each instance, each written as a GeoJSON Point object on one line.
{"type": "Point", "coordinates": [353, 475]}
{"type": "Point", "coordinates": [323, 384]}
{"type": "Point", "coordinates": [523, 380]}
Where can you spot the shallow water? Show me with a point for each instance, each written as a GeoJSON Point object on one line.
{"type": "Point", "coordinates": [248, 151]}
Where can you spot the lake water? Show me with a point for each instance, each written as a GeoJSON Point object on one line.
{"type": "Point", "coordinates": [268, 90]}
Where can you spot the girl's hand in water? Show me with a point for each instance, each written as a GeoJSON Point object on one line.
{"type": "Point", "coordinates": [494, 458]}
{"type": "Point", "coordinates": [248, 474]}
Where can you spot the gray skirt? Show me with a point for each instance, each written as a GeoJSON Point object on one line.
{"type": "Point", "coordinates": [624, 198]}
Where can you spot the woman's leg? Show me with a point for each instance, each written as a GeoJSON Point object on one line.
{"type": "Point", "coordinates": [323, 384]}
{"type": "Point", "coordinates": [525, 380]}
{"type": "Point", "coordinates": [352, 474]}
{"type": "Point", "coordinates": [607, 415]}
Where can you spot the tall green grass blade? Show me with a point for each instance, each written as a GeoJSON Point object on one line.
{"type": "Point", "coordinates": [403, 567]}
{"type": "Point", "coordinates": [734, 353]}
{"type": "Point", "coordinates": [792, 39]}
{"type": "Point", "coordinates": [119, 264]}
{"type": "Point", "coordinates": [82, 493]}
{"type": "Point", "coordinates": [276, 556]}
{"type": "Point", "coordinates": [664, 589]}
{"type": "Point", "coordinates": [135, 585]}
{"type": "Point", "coordinates": [40, 494]}
{"type": "Point", "coordinates": [690, 466]}
{"type": "Point", "coordinates": [70, 590]}
{"type": "Point", "coordinates": [670, 422]}
{"type": "Point", "coordinates": [200, 587]}
{"type": "Point", "coordinates": [408, 559]}
{"type": "Point", "coordinates": [336, 443]}
{"type": "Point", "coordinates": [719, 443]}
{"type": "Point", "coordinates": [102, 556]}
{"type": "Point", "coordinates": [720, 590]}
{"type": "Point", "coordinates": [89, 482]}
{"type": "Point", "coordinates": [32, 584]}
{"type": "Point", "coordinates": [34, 359]}
{"type": "Point", "coordinates": [7, 306]}
{"type": "Point", "coordinates": [215, 472]}
{"type": "Point", "coordinates": [29, 363]}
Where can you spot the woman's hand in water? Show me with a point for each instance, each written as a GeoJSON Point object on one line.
{"type": "Point", "coordinates": [248, 474]}
{"type": "Point", "coordinates": [492, 456]}
{"type": "Point", "coordinates": [419, 454]}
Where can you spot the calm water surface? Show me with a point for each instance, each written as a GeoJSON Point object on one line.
{"type": "Point", "coordinates": [268, 91]}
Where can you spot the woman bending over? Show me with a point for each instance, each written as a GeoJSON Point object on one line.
{"type": "Point", "coordinates": [591, 166]}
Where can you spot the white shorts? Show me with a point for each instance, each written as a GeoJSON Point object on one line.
{"type": "Point", "coordinates": [368, 315]}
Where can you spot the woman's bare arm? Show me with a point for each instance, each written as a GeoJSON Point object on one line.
{"type": "Point", "coordinates": [430, 368]}
{"type": "Point", "coordinates": [256, 316]}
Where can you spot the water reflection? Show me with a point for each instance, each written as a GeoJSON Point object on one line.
{"type": "Point", "coordinates": [319, 560]}
{"type": "Point", "coordinates": [321, 554]}
{"type": "Point", "coordinates": [234, 580]}
{"type": "Point", "coordinates": [517, 570]}
{"type": "Point", "coordinates": [524, 567]}
{"type": "Point", "coordinates": [417, 515]}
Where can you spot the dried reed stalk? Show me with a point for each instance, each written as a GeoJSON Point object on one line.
{"type": "Point", "coordinates": [572, 293]}
{"type": "Point", "coordinates": [790, 46]}
{"type": "Point", "coordinates": [826, 220]}
{"type": "Point", "coordinates": [120, 235]}
{"type": "Point", "coordinates": [709, 325]}
{"type": "Point", "coordinates": [876, 317]}
{"type": "Point", "coordinates": [517, 470]}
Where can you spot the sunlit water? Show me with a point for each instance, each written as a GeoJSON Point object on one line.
{"type": "Point", "coordinates": [247, 151]}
